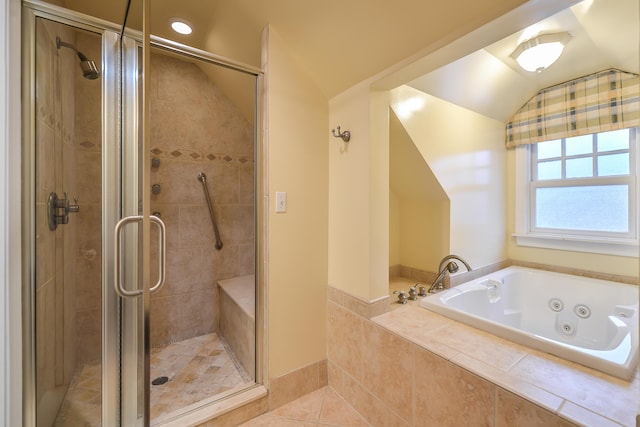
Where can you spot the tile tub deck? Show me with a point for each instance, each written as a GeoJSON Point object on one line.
{"type": "Point", "coordinates": [576, 393]}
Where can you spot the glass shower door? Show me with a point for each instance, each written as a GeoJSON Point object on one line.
{"type": "Point", "coordinates": [84, 353]}
{"type": "Point", "coordinates": [203, 320]}
{"type": "Point", "coordinates": [95, 250]}
{"type": "Point", "coordinates": [132, 233]}
{"type": "Point", "coordinates": [63, 150]}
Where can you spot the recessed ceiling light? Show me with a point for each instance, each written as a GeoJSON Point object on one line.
{"type": "Point", "coordinates": [180, 26]}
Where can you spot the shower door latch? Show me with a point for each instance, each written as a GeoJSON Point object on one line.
{"type": "Point", "coordinates": [59, 210]}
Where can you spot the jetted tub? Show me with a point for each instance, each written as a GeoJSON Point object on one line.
{"type": "Point", "coordinates": [589, 321]}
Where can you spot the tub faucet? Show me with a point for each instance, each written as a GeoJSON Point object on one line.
{"type": "Point", "coordinates": [446, 266]}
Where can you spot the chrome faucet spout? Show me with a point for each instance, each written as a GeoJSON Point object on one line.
{"type": "Point", "coordinates": [447, 266]}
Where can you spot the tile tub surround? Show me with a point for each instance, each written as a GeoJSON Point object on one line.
{"type": "Point", "coordinates": [403, 283]}
{"type": "Point", "coordinates": [422, 357]}
{"type": "Point", "coordinates": [237, 318]}
{"type": "Point", "coordinates": [361, 307]}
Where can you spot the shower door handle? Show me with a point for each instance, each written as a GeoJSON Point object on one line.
{"type": "Point", "coordinates": [117, 256]}
{"type": "Point", "coordinates": [161, 252]}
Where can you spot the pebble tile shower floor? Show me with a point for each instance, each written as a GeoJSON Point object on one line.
{"type": "Point", "coordinates": [197, 368]}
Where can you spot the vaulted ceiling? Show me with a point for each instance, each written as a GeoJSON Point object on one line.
{"type": "Point", "coordinates": [342, 42]}
{"type": "Point", "coordinates": [604, 34]}
{"type": "Point", "coordinates": [338, 42]}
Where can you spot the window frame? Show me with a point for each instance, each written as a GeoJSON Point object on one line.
{"type": "Point", "coordinates": [620, 244]}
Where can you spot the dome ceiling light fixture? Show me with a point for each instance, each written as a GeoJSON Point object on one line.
{"type": "Point", "coordinates": [541, 51]}
{"type": "Point", "coordinates": [180, 26]}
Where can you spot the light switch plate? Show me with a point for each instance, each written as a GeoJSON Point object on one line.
{"type": "Point", "coordinates": [281, 201]}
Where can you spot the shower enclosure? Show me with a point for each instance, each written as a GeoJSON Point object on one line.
{"type": "Point", "coordinates": [134, 315]}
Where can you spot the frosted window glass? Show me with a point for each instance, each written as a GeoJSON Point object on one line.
{"type": "Point", "coordinates": [580, 168]}
{"type": "Point", "coordinates": [579, 145]}
{"type": "Point", "coordinates": [549, 149]}
{"type": "Point", "coordinates": [613, 164]}
{"type": "Point", "coordinates": [550, 170]}
{"type": "Point", "coordinates": [595, 208]}
{"type": "Point", "coordinates": [614, 140]}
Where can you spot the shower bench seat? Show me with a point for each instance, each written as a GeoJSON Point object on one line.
{"type": "Point", "coordinates": [237, 318]}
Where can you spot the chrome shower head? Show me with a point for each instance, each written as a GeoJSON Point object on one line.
{"type": "Point", "coordinates": [89, 69]}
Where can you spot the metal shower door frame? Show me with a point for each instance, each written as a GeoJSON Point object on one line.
{"type": "Point", "coordinates": [125, 192]}
{"type": "Point", "coordinates": [120, 195]}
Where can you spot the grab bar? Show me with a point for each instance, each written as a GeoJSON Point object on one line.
{"type": "Point", "coordinates": [203, 179]}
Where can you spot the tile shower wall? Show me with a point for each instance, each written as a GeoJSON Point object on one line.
{"type": "Point", "coordinates": [55, 162]}
{"type": "Point", "coordinates": [88, 254]}
{"type": "Point", "coordinates": [195, 128]}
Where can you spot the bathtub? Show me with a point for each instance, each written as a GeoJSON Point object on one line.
{"type": "Point", "coordinates": [588, 321]}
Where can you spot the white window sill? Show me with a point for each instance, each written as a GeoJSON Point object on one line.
{"type": "Point", "coordinates": [608, 246]}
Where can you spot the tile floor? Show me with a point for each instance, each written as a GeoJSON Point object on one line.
{"type": "Point", "coordinates": [82, 404]}
{"type": "Point", "coordinates": [196, 369]}
{"type": "Point", "coordinates": [323, 407]}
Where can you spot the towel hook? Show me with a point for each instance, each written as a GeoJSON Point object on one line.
{"type": "Point", "coordinates": [346, 135]}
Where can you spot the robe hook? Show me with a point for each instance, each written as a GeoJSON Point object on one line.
{"type": "Point", "coordinates": [346, 135]}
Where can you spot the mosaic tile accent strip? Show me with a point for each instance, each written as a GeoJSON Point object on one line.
{"type": "Point", "coordinates": [87, 144]}
{"type": "Point", "coordinates": [187, 154]}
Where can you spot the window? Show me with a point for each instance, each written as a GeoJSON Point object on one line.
{"type": "Point", "coordinates": [579, 193]}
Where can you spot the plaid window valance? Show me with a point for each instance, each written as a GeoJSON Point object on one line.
{"type": "Point", "coordinates": [607, 100]}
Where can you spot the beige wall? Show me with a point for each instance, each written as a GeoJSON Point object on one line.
{"type": "Point", "coordinates": [464, 151]}
{"type": "Point", "coordinates": [359, 193]}
{"type": "Point", "coordinates": [478, 173]}
{"type": "Point", "coordinates": [296, 133]}
{"type": "Point", "coordinates": [349, 204]}
{"type": "Point", "coordinates": [394, 229]}
{"type": "Point", "coordinates": [379, 195]}
{"type": "Point", "coordinates": [474, 171]}
{"type": "Point", "coordinates": [424, 233]}
{"type": "Point", "coordinates": [421, 205]}
{"type": "Point", "coordinates": [466, 154]}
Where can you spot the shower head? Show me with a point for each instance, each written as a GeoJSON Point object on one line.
{"type": "Point", "coordinates": [89, 69]}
